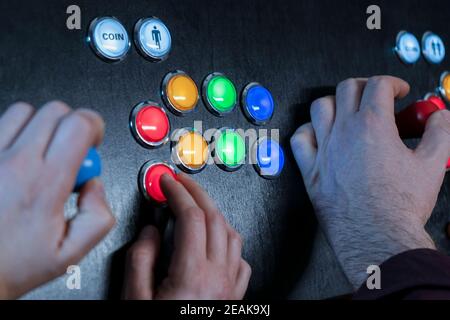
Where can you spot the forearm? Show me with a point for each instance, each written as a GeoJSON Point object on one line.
{"type": "Point", "coordinates": [367, 244]}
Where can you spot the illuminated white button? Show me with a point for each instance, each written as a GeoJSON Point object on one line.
{"type": "Point", "coordinates": [108, 38]}
{"type": "Point", "coordinates": [433, 48]}
{"type": "Point", "coordinates": [407, 47]}
{"type": "Point", "coordinates": [152, 38]}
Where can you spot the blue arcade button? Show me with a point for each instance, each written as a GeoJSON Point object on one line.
{"type": "Point", "coordinates": [257, 103]}
{"type": "Point", "coordinates": [268, 158]}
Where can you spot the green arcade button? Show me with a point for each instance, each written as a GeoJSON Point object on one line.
{"type": "Point", "coordinates": [229, 151]}
{"type": "Point", "coordinates": [219, 94]}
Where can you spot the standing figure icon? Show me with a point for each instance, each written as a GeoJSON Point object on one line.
{"type": "Point", "coordinates": [156, 36]}
{"type": "Point", "coordinates": [152, 39]}
{"type": "Point", "coordinates": [436, 48]}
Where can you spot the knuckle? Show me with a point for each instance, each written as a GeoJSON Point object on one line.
{"type": "Point", "coordinates": [22, 107]}
{"type": "Point", "coordinates": [246, 267]}
{"type": "Point", "coordinates": [300, 135]}
{"type": "Point", "coordinates": [347, 84]}
{"type": "Point", "coordinates": [217, 218]}
{"type": "Point", "coordinates": [79, 121]}
{"type": "Point", "coordinates": [57, 107]}
{"type": "Point", "coordinates": [91, 114]}
{"type": "Point", "coordinates": [320, 108]}
{"type": "Point", "coordinates": [108, 220]}
{"type": "Point", "coordinates": [317, 105]}
{"type": "Point", "coordinates": [379, 82]}
{"type": "Point", "coordinates": [138, 254]}
{"type": "Point", "coordinates": [236, 237]}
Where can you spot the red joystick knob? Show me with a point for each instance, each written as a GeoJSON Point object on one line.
{"type": "Point", "coordinates": [437, 101]}
{"type": "Point", "coordinates": [412, 120]}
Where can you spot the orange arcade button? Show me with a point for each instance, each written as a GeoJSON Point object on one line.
{"type": "Point", "coordinates": [179, 92]}
{"type": "Point", "coordinates": [190, 152]}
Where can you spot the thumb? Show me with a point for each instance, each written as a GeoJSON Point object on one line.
{"type": "Point", "coordinates": [140, 266]}
{"type": "Point", "coordinates": [435, 144]}
{"type": "Point", "coordinates": [89, 226]}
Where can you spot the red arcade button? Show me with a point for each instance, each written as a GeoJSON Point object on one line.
{"type": "Point", "coordinates": [149, 124]}
{"type": "Point", "coordinates": [149, 180]}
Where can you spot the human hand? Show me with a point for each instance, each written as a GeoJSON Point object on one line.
{"type": "Point", "coordinates": [40, 155]}
{"type": "Point", "coordinates": [206, 262]}
{"type": "Point", "coordinates": [372, 194]}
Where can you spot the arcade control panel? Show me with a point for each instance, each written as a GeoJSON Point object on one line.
{"type": "Point", "coordinates": [216, 89]}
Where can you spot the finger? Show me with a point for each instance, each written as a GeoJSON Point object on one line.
{"type": "Point", "coordinates": [89, 226]}
{"type": "Point", "coordinates": [242, 280]}
{"type": "Point", "coordinates": [304, 147]}
{"type": "Point", "coordinates": [13, 121]}
{"type": "Point", "coordinates": [190, 224]}
{"type": "Point", "coordinates": [348, 98]}
{"type": "Point", "coordinates": [380, 94]}
{"type": "Point", "coordinates": [36, 136]}
{"type": "Point", "coordinates": [76, 133]}
{"type": "Point", "coordinates": [140, 267]}
{"type": "Point", "coordinates": [322, 117]}
{"type": "Point", "coordinates": [216, 227]}
{"type": "Point", "coordinates": [234, 252]}
{"type": "Point", "coordinates": [435, 143]}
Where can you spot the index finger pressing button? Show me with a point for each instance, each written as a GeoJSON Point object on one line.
{"type": "Point", "coordinates": [150, 178]}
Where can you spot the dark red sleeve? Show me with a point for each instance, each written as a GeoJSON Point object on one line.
{"type": "Point", "coordinates": [417, 274]}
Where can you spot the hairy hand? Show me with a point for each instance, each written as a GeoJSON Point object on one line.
{"type": "Point", "coordinates": [371, 193]}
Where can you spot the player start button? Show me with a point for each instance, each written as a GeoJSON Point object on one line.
{"type": "Point", "coordinates": [152, 38]}
{"type": "Point", "coordinates": [109, 39]}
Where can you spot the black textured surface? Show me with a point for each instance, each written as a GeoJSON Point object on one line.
{"type": "Point", "coordinates": [298, 49]}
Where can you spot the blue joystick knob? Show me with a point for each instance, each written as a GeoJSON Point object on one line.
{"type": "Point", "coordinates": [90, 168]}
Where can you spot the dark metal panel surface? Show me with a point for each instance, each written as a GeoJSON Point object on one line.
{"type": "Point", "coordinates": [298, 49]}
